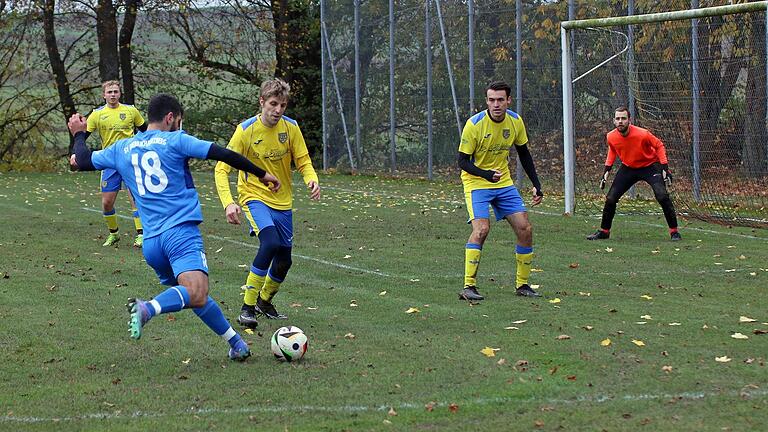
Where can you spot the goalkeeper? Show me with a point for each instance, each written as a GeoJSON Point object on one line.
{"type": "Point", "coordinates": [642, 158]}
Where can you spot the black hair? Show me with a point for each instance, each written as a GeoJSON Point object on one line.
{"type": "Point", "coordinates": [162, 104]}
{"type": "Point", "coordinates": [499, 85]}
{"type": "Point", "coordinates": [622, 108]}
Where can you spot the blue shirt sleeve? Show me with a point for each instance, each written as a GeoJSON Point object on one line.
{"type": "Point", "coordinates": [103, 159]}
{"type": "Point", "coordinates": [193, 147]}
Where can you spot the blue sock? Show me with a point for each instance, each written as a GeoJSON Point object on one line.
{"type": "Point", "coordinates": [214, 318]}
{"type": "Point", "coordinates": [173, 299]}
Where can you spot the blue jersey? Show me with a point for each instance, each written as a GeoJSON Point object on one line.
{"type": "Point", "coordinates": [154, 167]}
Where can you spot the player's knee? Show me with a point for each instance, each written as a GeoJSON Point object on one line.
{"type": "Point", "coordinates": [269, 243]}
{"type": "Point", "coordinates": [280, 270]}
{"type": "Point", "coordinates": [663, 199]}
{"type": "Point", "coordinates": [611, 200]}
{"type": "Point", "coordinates": [481, 232]}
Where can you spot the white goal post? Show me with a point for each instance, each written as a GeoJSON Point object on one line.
{"type": "Point", "coordinates": [567, 78]}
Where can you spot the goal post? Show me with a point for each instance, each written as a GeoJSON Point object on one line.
{"type": "Point", "coordinates": [663, 79]}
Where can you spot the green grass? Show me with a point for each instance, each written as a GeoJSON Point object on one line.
{"type": "Point", "coordinates": [68, 364]}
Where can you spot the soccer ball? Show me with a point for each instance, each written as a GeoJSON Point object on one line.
{"type": "Point", "coordinates": [289, 344]}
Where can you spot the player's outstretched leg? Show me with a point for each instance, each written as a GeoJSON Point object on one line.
{"type": "Point", "coordinates": [213, 317]}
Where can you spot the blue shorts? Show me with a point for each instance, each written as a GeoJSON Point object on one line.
{"type": "Point", "coordinates": [261, 216]}
{"type": "Point", "coordinates": [111, 181]}
{"type": "Point", "coordinates": [175, 251]}
{"type": "Point", "coordinates": [505, 201]}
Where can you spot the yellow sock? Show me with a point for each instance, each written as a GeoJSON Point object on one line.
{"type": "Point", "coordinates": [471, 262]}
{"type": "Point", "coordinates": [137, 221]}
{"type": "Point", "coordinates": [523, 268]}
{"type": "Point", "coordinates": [269, 289]}
{"type": "Point", "coordinates": [111, 220]}
{"type": "Point", "coordinates": [252, 286]}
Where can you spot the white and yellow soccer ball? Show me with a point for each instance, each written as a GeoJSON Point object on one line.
{"type": "Point", "coordinates": [289, 343]}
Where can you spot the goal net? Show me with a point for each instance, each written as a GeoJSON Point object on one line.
{"type": "Point", "coordinates": [697, 80]}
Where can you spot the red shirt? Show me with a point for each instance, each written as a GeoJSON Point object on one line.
{"type": "Point", "coordinates": [638, 149]}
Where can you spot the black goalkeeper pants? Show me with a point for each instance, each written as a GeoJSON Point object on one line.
{"type": "Point", "coordinates": [625, 178]}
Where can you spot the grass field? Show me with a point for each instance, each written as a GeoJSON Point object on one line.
{"type": "Point", "coordinates": [366, 253]}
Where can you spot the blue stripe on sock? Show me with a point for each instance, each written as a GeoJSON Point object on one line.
{"type": "Point", "coordinates": [271, 276]}
{"type": "Point", "coordinates": [110, 213]}
{"type": "Point", "coordinates": [135, 213]}
{"type": "Point", "coordinates": [523, 249]}
{"type": "Point", "coordinates": [474, 246]}
{"type": "Point", "coordinates": [213, 317]}
{"type": "Point", "coordinates": [258, 271]}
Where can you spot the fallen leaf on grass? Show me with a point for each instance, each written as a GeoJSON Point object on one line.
{"type": "Point", "coordinates": [489, 352]}
{"type": "Point", "coordinates": [759, 331]}
{"type": "Point", "coordinates": [430, 406]}
{"type": "Point", "coordinates": [609, 250]}
{"type": "Point", "coordinates": [392, 412]}
{"type": "Point", "coordinates": [646, 296]}
{"type": "Point", "coordinates": [666, 369]}
{"type": "Point", "coordinates": [501, 362]}
{"type": "Point", "coordinates": [585, 294]}
{"type": "Point", "coordinates": [723, 359]}
{"type": "Point", "coordinates": [638, 342]}
{"type": "Point", "coordinates": [573, 265]}
{"type": "Point", "coordinates": [555, 300]}
{"type": "Point", "coordinates": [674, 324]}
{"type": "Point", "coordinates": [563, 337]}
{"type": "Point", "coordinates": [647, 317]}
{"type": "Point", "coordinates": [587, 328]}
{"type": "Point", "coordinates": [347, 256]}
{"type": "Point", "coordinates": [453, 407]}
{"type": "Point", "coordinates": [516, 328]}
{"type": "Point", "coordinates": [519, 321]}
{"type": "Point", "coordinates": [605, 342]}
{"type": "Point", "coordinates": [746, 319]}
{"type": "Point", "coordinates": [739, 336]}
{"type": "Point", "coordinates": [349, 336]}
{"type": "Point", "coordinates": [249, 331]}
{"type": "Point", "coordinates": [412, 310]}
{"type": "Point", "coordinates": [383, 293]}
{"type": "Point", "coordinates": [219, 250]}
{"type": "Point", "coordinates": [186, 361]}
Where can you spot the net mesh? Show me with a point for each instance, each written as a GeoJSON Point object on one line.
{"type": "Point", "coordinates": [722, 176]}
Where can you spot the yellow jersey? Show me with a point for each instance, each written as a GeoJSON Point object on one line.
{"type": "Point", "coordinates": [488, 143]}
{"type": "Point", "coordinates": [272, 149]}
{"type": "Point", "coordinates": [114, 124]}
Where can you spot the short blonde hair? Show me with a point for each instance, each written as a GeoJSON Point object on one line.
{"type": "Point", "coordinates": [110, 83]}
{"type": "Point", "coordinates": [275, 88]}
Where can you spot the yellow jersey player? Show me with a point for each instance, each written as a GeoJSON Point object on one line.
{"type": "Point", "coordinates": [115, 121]}
{"type": "Point", "coordinates": [272, 141]}
{"type": "Point", "coordinates": [486, 142]}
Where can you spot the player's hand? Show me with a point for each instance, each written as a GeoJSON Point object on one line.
{"type": "Point", "coordinates": [667, 176]}
{"type": "Point", "coordinates": [537, 197]}
{"type": "Point", "coordinates": [271, 182]}
{"type": "Point", "coordinates": [233, 213]}
{"type": "Point", "coordinates": [496, 176]}
{"type": "Point", "coordinates": [73, 162]}
{"type": "Point", "coordinates": [77, 123]}
{"type": "Point", "coordinates": [604, 179]}
{"type": "Point", "coordinates": [314, 190]}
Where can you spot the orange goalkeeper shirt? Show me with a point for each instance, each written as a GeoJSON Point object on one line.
{"type": "Point", "coordinates": [638, 149]}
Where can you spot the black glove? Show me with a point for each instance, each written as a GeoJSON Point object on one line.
{"type": "Point", "coordinates": [666, 175]}
{"type": "Point", "coordinates": [604, 178]}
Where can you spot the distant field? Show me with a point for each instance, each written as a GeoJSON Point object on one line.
{"type": "Point", "coordinates": [364, 255]}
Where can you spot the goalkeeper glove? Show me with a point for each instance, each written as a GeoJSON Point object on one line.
{"type": "Point", "coordinates": [604, 178]}
{"type": "Point", "coordinates": [666, 175]}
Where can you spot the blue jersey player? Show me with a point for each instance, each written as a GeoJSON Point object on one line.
{"type": "Point", "coordinates": [154, 167]}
